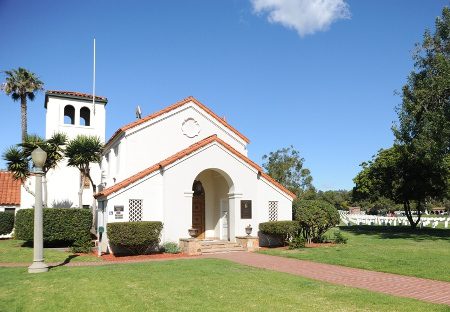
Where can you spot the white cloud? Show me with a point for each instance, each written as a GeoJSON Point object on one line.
{"type": "Point", "coordinates": [305, 16]}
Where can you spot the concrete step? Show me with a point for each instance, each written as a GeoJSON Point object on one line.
{"type": "Point", "coordinates": [219, 245]}
{"type": "Point", "coordinates": [222, 250]}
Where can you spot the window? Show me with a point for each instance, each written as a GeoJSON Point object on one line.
{"type": "Point", "coordinates": [108, 165]}
{"type": "Point", "coordinates": [116, 156]}
{"type": "Point", "coordinates": [69, 115]}
{"type": "Point", "coordinates": [85, 116]}
{"type": "Point", "coordinates": [135, 210]}
{"type": "Point", "coordinates": [273, 211]}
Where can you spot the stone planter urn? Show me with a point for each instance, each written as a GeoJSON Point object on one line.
{"type": "Point", "coordinates": [248, 230]}
{"type": "Point", "coordinates": [193, 232]}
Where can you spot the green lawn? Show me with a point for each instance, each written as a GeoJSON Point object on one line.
{"type": "Point", "coordinates": [15, 251]}
{"type": "Point", "coordinates": [423, 253]}
{"type": "Point", "coordinates": [185, 285]}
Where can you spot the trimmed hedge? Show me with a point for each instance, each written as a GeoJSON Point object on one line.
{"type": "Point", "coordinates": [278, 232]}
{"type": "Point", "coordinates": [135, 237]}
{"type": "Point", "coordinates": [61, 225]}
{"type": "Point", "coordinates": [6, 222]}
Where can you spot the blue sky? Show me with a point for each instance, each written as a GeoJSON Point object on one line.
{"type": "Point", "coordinates": [322, 81]}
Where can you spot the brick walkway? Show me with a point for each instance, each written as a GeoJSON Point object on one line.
{"type": "Point", "coordinates": [392, 284]}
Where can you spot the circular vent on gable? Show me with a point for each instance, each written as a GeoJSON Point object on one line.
{"type": "Point", "coordinates": [190, 128]}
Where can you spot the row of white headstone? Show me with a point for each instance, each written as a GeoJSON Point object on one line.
{"type": "Point", "coordinates": [360, 219]}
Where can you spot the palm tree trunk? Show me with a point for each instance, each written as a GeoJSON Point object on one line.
{"type": "Point", "coordinates": [23, 112]}
{"type": "Point", "coordinates": [80, 192]}
{"type": "Point", "coordinates": [94, 203]}
{"type": "Point", "coordinates": [80, 197]}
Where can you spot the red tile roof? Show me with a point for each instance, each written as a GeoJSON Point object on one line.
{"type": "Point", "coordinates": [76, 94]}
{"type": "Point", "coordinates": [9, 189]}
{"type": "Point", "coordinates": [172, 107]}
{"type": "Point", "coordinates": [182, 154]}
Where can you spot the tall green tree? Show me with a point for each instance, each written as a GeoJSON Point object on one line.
{"type": "Point", "coordinates": [286, 167]}
{"type": "Point", "coordinates": [403, 177]}
{"type": "Point", "coordinates": [18, 158]}
{"type": "Point", "coordinates": [21, 84]}
{"type": "Point", "coordinates": [423, 129]}
{"type": "Point", "coordinates": [417, 168]}
{"type": "Point", "coordinates": [81, 152]}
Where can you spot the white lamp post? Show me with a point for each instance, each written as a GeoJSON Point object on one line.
{"type": "Point", "coordinates": [38, 156]}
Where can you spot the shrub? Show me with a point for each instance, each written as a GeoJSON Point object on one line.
{"type": "Point", "coordinates": [82, 245]}
{"type": "Point", "coordinates": [6, 222]}
{"type": "Point", "coordinates": [339, 238]}
{"type": "Point", "coordinates": [315, 218]}
{"type": "Point", "coordinates": [281, 229]}
{"type": "Point", "coordinates": [65, 203]}
{"type": "Point", "coordinates": [135, 237]}
{"type": "Point", "coordinates": [297, 242]}
{"type": "Point", "coordinates": [61, 226]}
{"type": "Point", "coordinates": [171, 247]}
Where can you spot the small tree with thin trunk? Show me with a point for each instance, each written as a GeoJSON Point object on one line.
{"type": "Point", "coordinates": [21, 84]}
{"type": "Point", "coordinates": [80, 153]}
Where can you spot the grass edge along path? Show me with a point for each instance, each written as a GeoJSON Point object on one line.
{"type": "Point", "coordinates": [185, 285]}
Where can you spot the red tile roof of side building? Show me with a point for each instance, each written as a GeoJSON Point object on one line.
{"type": "Point", "coordinates": [182, 154]}
{"type": "Point", "coordinates": [172, 107]}
{"type": "Point", "coordinates": [9, 189]}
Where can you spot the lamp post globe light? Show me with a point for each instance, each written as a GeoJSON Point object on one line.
{"type": "Point", "coordinates": [38, 156]}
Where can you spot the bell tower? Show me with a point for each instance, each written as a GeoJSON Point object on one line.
{"type": "Point", "coordinates": [75, 113]}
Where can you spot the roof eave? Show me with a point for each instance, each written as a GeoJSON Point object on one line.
{"type": "Point", "coordinates": [175, 106]}
{"type": "Point", "coordinates": [74, 97]}
{"type": "Point", "coordinates": [123, 184]}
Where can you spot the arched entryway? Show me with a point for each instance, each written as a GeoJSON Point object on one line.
{"type": "Point", "coordinates": [210, 204]}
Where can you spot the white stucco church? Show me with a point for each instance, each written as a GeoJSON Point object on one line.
{"type": "Point", "coordinates": [184, 166]}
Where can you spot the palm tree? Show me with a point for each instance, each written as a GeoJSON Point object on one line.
{"type": "Point", "coordinates": [18, 158]}
{"type": "Point", "coordinates": [22, 84]}
{"type": "Point", "coordinates": [54, 147]}
{"type": "Point", "coordinates": [80, 153]}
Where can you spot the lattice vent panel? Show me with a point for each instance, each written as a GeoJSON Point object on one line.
{"type": "Point", "coordinates": [273, 211]}
{"type": "Point", "coordinates": [135, 210]}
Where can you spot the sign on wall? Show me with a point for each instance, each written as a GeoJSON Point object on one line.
{"type": "Point", "coordinates": [118, 212]}
{"type": "Point", "coordinates": [246, 209]}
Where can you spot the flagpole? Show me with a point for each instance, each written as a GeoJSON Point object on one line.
{"type": "Point", "coordinates": [93, 82]}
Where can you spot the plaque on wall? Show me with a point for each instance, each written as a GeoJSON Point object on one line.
{"type": "Point", "coordinates": [246, 209]}
{"type": "Point", "coordinates": [118, 212]}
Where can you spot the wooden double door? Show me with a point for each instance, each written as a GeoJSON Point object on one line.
{"type": "Point", "coordinates": [198, 209]}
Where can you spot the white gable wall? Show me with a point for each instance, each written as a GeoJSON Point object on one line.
{"type": "Point", "coordinates": [246, 186]}
{"type": "Point", "coordinates": [161, 137]}
{"type": "Point", "coordinates": [173, 206]}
